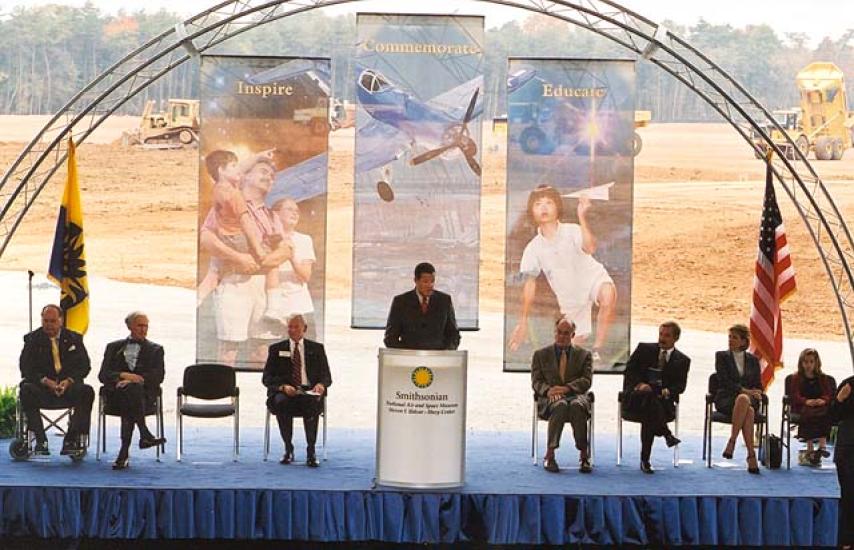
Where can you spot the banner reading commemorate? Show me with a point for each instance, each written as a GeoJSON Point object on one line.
{"type": "Point", "coordinates": [262, 203]}
{"type": "Point", "coordinates": [419, 88]}
{"type": "Point", "coordinates": [570, 172]}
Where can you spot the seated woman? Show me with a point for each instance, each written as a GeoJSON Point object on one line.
{"type": "Point", "coordinates": [739, 392]}
{"type": "Point", "coordinates": [811, 392]}
{"type": "Point", "coordinates": [132, 371]}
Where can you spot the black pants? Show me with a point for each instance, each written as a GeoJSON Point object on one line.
{"type": "Point", "coordinates": [648, 409]}
{"type": "Point", "coordinates": [574, 412]}
{"type": "Point", "coordinates": [130, 401]}
{"type": "Point", "coordinates": [79, 396]}
{"type": "Point", "coordinates": [844, 458]}
{"type": "Point", "coordinates": [286, 408]}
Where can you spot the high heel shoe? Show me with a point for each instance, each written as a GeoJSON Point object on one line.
{"type": "Point", "coordinates": [752, 465]}
{"type": "Point", "coordinates": [730, 447]}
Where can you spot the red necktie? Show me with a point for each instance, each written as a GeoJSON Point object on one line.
{"type": "Point", "coordinates": [296, 366]}
{"type": "Point", "coordinates": [424, 303]}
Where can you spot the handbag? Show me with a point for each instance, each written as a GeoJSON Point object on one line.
{"type": "Point", "coordinates": [775, 452]}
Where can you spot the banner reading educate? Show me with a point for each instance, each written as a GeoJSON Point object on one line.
{"type": "Point", "coordinates": [419, 88]}
{"type": "Point", "coordinates": [262, 203]}
{"type": "Point", "coordinates": [569, 207]}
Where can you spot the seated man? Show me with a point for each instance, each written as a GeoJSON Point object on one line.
{"type": "Point", "coordinates": [655, 374]}
{"type": "Point", "coordinates": [294, 368]}
{"type": "Point", "coordinates": [53, 365]}
{"type": "Point", "coordinates": [132, 372]}
{"type": "Point", "coordinates": [561, 375]}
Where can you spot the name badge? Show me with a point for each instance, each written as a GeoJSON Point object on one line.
{"type": "Point", "coordinates": [284, 353]}
{"type": "Point", "coordinates": [72, 348]}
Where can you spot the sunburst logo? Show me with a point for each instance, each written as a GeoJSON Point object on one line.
{"type": "Point", "coordinates": [422, 377]}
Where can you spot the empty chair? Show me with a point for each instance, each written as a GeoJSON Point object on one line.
{"type": "Point", "coordinates": [208, 381]}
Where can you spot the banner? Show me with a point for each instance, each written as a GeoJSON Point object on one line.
{"type": "Point", "coordinates": [419, 89]}
{"type": "Point", "coordinates": [569, 207]}
{"type": "Point", "coordinates": [262, 203]}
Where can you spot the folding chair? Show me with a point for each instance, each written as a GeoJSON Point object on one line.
{"type": "Point", "coordinates": [23, 445]}
{"type": "Point", "coordinates": [208, 381]}
{"type": "Point", "coordinates": [623, 416]}
{"type": "Point", "coordinates": [106, 409]}
{"type": "Point", "coordinates": [712, 416]}
{"type": "Point", "coordinates": [535, 432]}
{"type": "Point", "coordinates": [267, 431]}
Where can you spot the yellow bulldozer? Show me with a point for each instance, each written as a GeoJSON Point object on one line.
{"type": "Point", "coordinates": [177, 126]}
{"type": "Point", "coordinates": [822, 123]}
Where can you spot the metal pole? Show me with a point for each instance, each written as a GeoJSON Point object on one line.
{"type": "Point", "coordinates": [30, 292]}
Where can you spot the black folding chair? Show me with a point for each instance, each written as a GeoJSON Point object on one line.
{"type": "Point", "coordinates": [267, 431]}
{"type": "Point", "coordinates": [535, 432]}
{"type": "Point", "coordinates": [106, 408]}
{"type": "Point", "coordinates": [623, 415]}
{"type": "Point", "coordinates": [712, 416]}
{"type": "Point", "coordinates": [790, 420]}
{"type": "Point", "coordinates": [208, 381]}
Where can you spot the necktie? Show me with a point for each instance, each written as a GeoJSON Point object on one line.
{"type": "Point", "coordinates": [54, 350]}
{"type": "Point", "coordinates": [662, 359]}
{"type": "Point", "coordinates": [562, 365]}
{"type": "Point", "coordinates": [296, 365]}
{"type": "Point", "coordinates": [424, 303]}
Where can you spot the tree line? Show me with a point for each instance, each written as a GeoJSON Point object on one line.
{"type": "Point", "coordinates": [48, 53]}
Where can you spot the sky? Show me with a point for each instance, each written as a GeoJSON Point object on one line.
{"type": "Point", "coordinates": [816, 18]}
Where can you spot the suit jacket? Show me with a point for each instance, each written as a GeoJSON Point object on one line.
{"type": "Point", "coordinates": [730, 383]}
{"type": "Point", "coordinates": [844, 414]}
{"type": "Point", "coordinates": [545, 373]}
{"type": "Point", "coordinates": [408, 328]}
{"type": "Point", "coordinates": [674, 377]}
{"type": "Point", "coordinates": [149, 365]}
{"type": "Point", "coordinates": [37, 358]}
{"type": "Point", "coordinates": [279, 370]}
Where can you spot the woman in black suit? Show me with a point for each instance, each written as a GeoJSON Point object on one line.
{"type": "Point", "coordinates": [739, 391]}
{"type": "Point", "coordinates": [842, 410]}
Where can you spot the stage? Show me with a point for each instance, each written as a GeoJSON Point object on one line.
{"type": "Point", "coordinates": [506, 500]}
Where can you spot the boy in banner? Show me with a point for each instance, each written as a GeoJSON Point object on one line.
{"type": "Point", "coordinates": [235, 226]}
{"type": "Point", "coordinates": [564, 253]}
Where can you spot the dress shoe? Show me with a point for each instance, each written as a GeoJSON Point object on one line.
{"type": "Point", "coordinates": [41, 448]}
{"type": "Point", "coordinates": [312, 462]}
{"type": "Point", "coordinates": [584, 466]}
{"type": "Point", "coordinates": [824, 452]}
{"type": "Point", "coordinates": [752, 465]}
{"type": "Point", "coordinates": [646, 467]}
{"type": "Point", "coordinates": [70, 447]}
{"type": "Point", "coordinates": [672, 440]}
{"type": "Point", "coordinates": [151, 441]}
{"type": "Point", "coordinates": [287, 458]}
{"type": "Point", "coordinates": [121, 463]}
{"type": "Point", "coordinates": [550, 465]}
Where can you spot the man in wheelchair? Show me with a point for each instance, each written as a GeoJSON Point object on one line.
{"type": "Point", "coordinates": [53, 364]}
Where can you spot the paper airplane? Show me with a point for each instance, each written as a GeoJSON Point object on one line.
{"type": "Point", "coordinates": [596, 193]}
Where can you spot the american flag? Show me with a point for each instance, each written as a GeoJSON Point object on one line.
{"type": "Point", "coordinates": [774, 281]}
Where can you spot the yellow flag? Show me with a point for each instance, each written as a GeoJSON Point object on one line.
{"type": "Point", "coordinates": [68, 259]}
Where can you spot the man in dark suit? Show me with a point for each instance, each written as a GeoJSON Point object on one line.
{"type": "Point", "coordinates": [53, 364]}
{"type": "Point", "coordinates": [561, 375]}
{"type": "Point", "coordinates": [655, 374]}
{"type": "Point", "coordinates": [422, 318]}
{"type": "Point", "coordinates": [296, 376]}
{"type": "Point", "coordinates": [842, 411]}
{"type": "Point", "coordinates": [132, 372]}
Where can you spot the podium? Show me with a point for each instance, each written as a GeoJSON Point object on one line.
{"type": "Point", "coordinates": [421, 418]}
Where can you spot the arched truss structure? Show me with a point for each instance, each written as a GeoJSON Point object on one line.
{"type": "Point", "coordinates": [30, 172]}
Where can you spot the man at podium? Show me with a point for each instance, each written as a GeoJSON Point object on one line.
{"type": "Point", "coordinates": [422, 318]}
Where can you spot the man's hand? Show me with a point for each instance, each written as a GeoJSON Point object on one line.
{"type": "Point", "coordinates": [49, 384]}
{"type": "Point", "coordinates": [60, 388]}
{"type": "Point", "coordinates": [643, 387]}
{"type": "Point", "coordinates": [519, 335]}
{"type": "Point", "coordinates": [246, 264]}
{"type": "Point", "coordinates": [556, 392]}
{"type": "Point", "coordinates": [319, 389]}
{"type": "Point", "coordinates": [665, 393]}
{"type": "Point", "coordinates": [288, 390]}
{"type": "Point", "coordinates": [843, 393]}
{"type": "Point", "coordinates": [131, 378]}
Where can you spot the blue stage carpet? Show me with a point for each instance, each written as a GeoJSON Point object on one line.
{"type": "Point", "coordinates": [506, 500]}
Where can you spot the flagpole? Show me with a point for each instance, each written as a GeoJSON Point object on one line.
{"type": "Point", "coordinates": [30, 292]}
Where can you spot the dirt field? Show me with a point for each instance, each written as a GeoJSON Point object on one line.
{"type": "Point", "coordinates": [697, 202]}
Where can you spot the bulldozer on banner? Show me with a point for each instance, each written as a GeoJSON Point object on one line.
{"type": "Point", "coordinates": [177, 126]}
{"type": "Point", "coordinates": [822, 123]}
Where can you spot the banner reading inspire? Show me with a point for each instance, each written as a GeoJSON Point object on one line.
{"type": "Point", "coordinates": [419, 88]}
{"type": "Point", "coordinates": [262, 203]}
{"type": "Point", "coordinates": [569, 207]}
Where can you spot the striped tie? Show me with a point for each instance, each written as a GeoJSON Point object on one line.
{"type": "Point", "coordinates": [296, 365]}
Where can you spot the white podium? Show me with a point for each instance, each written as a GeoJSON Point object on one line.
{"type": "Point", "coordinates": [421, 418]}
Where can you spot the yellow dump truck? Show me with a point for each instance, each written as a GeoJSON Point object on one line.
{"type": "Point", "coordinates": [823, 123]}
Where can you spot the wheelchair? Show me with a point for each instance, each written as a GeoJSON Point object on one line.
{"type": "Point", "coordinates": [22, 447]}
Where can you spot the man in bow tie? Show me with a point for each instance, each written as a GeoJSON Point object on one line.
{"type": "Point", "coordinates": [296, 376]}
{"type": "Point", "coordinates": [53, 364]}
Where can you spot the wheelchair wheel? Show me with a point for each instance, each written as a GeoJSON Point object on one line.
{"type": "Point", "coordinates": [19, 450]}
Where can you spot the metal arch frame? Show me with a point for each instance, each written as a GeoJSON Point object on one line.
{"type": "Point", "coordinates": [29, 173]}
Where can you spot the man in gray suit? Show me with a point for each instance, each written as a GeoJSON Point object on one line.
{"type": "Point", "coordinates": [561, 375]}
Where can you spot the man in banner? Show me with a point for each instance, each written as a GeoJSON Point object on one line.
{"type": "Point", "coordinates": [564, 253]}
{"type": "Point", "coordinates": [422, 318]}
{"type": "Point", "coordinates": [68, 259]}
{"type": "Point", "coordinates": [53, 364]}
{"type": "Point", "coordinates": [561, 375]}
{"type": "Point", "coordinates": [296, 376]}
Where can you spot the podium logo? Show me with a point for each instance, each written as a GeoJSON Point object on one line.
{"type": "Point", "coordinates": [422, 377]}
